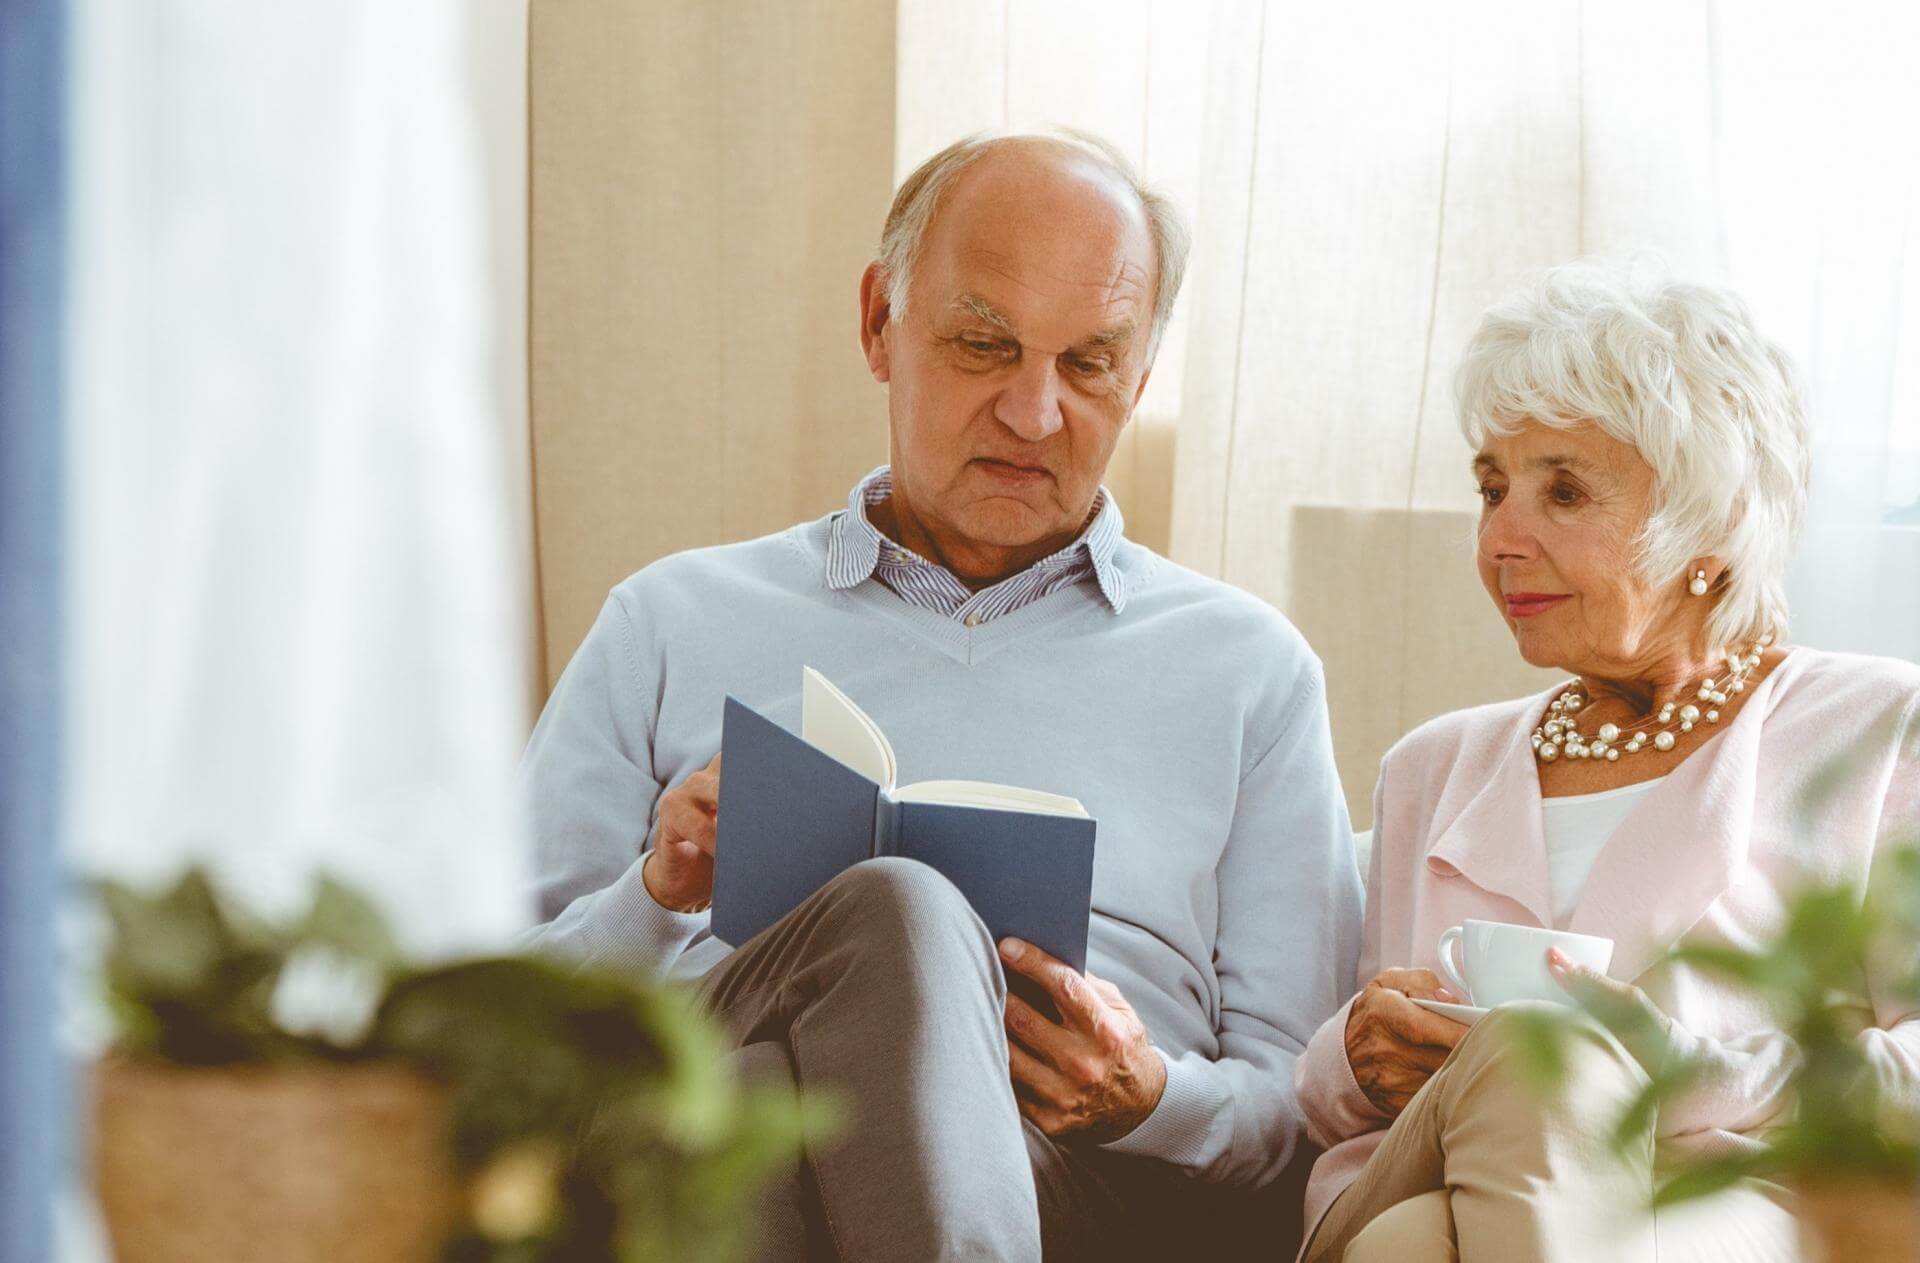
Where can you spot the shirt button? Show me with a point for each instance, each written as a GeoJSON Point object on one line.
{"type": "Point", "coordinates": [974, 619]}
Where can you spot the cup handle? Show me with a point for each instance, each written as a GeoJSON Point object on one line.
{"type": "Point", "coordinates": [1447, 967]}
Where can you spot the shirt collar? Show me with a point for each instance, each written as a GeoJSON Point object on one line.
{"type": "Point", "coordinates": [855, 545]}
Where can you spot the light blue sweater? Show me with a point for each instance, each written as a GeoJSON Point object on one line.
{"type": "Point", "coordinates": [1193, 725]}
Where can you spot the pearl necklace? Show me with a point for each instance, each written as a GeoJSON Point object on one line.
{"type": "Point", "coordinates": [1560, 735]}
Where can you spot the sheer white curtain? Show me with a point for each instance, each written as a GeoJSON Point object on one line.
{"type": "Point", "coordinates": [1364, 180]}
{"type": "Point", "coordinates": [299, 446]}
{"type": "Point", "coordinates": [1820, 207]}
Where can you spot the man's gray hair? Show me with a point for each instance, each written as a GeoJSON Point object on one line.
{"type": "Point", "coordinates": [919, 195]}
{"type": "Point", "coordinates": [1678, 371]}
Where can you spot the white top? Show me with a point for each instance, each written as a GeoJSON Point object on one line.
{"type": "Point", "coordinates": [1577, 828]}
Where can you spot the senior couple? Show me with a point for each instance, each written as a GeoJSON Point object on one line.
{"type": "Point", "coordinates": [1642, 462]}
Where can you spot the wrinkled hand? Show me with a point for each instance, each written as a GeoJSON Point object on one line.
{"type": "Point", "coordinates": [1094, 1074]}
{"type": "Point", "coordinates": [679, 868]}
{"type": "Point", "coordinates": [1393, 1044]}
{"type": "Point", "coordinates": [1640, 1025]}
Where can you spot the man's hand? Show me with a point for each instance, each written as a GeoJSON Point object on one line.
{"type": "Point", "coordinates": [1393, 1044]}
{"type": "Point", "coordinates": [679, 868]}
{"type": "Point", "coordinates": [1093, 1074]}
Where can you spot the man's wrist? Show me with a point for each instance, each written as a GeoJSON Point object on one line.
{"type": "Point", "coordinates": [1157, 1078]}
{"type": "Point", "coordinates": [653, 892]}
{"type": "Point", "coordinates": [1153, 1086]}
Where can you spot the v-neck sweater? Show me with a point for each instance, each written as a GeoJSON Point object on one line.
{"type": "Point", "coordinates": [1191, 722]}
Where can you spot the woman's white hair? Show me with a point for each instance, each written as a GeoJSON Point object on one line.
{"type": "Point", "coordinates": [1678, 371]}
{"type": "Point", "coordinates": [919, 195]}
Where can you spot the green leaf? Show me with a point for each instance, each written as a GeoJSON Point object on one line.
{"type": "Point", "coordinates": [1751, 968]}
{"type": "Point", "coordinates": [1636, 1124]}
{"type": "Point", "coordinates": [1541, 1038]}
{"type": "Point", "coordinates": [1709, 1177]}
{"type": "Point", "coordinates": [169, 944]}
{"type": "Point", "coordinates": [347, 921]}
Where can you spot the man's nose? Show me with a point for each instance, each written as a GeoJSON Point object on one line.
{"type": "Point", "coordinates": [1029, 405]}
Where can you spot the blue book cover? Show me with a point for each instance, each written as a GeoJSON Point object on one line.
{"type": "Point", "coordinates": [796, 810]}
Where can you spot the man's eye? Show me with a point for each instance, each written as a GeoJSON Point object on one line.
{"type": "Point", "coordinates": [1492, 495]}
{"type": "Point", "coordinates": [1088, 367]}
{"type": "Point", "coordinates": [980, 346]}
{"type": "Point", "coordinates": [1566, 495]}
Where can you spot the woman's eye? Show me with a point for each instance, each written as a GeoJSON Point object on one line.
{"type": "Point", "coordinates": [1492, 495]}
{"type": "Point", "coordinates": [1565, 495]}
{"type": "Point", "coordinates": [980, 347]}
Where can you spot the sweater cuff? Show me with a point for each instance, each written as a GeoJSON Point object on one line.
{"type": "Point", "coordinates": [631, 927]}
{"type": "Point", "coordinates": [1335, 1107]}
{"type": "Point", "coordinates": [1178, 1128]}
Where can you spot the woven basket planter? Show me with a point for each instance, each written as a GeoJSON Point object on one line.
{"type": "Point", "coordinates": [1858, 1222]}
{"type": "Point", "coordinates": [307, 1164]}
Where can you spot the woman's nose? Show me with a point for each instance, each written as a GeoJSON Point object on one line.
{"type": "Point", "coordinates": [1505, 534]}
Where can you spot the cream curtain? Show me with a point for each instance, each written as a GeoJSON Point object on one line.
{"type": "Point", "coordinates": [1363, 181]}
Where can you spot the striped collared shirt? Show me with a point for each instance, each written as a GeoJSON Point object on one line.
{"type": "Point", "coordinates": [857, 551]}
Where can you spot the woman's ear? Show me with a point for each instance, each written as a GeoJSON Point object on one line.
{"type": "Point", "coordinates": [876, 318]}
{"type": "Point", "coordinates": [1704, 575]}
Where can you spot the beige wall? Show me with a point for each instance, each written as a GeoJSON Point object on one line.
{"type": "Point", "coordinates": [707, 181]}
{"type": "Point", "coordinates": [1390, 600]}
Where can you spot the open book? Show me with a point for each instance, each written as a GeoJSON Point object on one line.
{"type": "Point", "coordinates": [796, 811]}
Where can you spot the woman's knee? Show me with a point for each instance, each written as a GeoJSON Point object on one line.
{"type": "Point", "coordinates": [1417, 1230]}
{"type": "Point", "coordinates": [1555, 1057]}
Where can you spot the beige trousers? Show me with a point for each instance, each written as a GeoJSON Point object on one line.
{"type": "Point", "coordinates": [1487, 1164]}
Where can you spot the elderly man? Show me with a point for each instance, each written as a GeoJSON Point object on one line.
{"type": "Point", "coordinates": [979, 598]}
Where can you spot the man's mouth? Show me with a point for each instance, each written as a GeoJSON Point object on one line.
{"type": "Point", "coordinates": [1012, 474]}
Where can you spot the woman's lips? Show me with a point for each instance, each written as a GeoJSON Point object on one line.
{"type": "Point", "coordinates": [1527, 604]}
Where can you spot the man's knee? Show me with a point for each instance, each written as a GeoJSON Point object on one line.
{"type": "Point", "coordinates": [906, 909]}
{"type": "Point", "coordinates": [920, 893]}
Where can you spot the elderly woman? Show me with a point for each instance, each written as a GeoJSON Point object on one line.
{"type": "Point", "coordinates": [1641, 458]}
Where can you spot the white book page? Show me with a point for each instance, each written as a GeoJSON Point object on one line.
{"type": "Point", "coordinates": [982, 794]}
{"type": "Point", "coordinates": [833, 725]}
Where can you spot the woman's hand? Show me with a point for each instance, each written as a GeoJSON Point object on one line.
{"type": "Point", "coordinates": [1393, 1044]}
{"type": "Point", "coordinates": [1636, 1021]}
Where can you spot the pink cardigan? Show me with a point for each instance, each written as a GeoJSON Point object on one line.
{"type": "Point", "coordinates": [1710, 854]}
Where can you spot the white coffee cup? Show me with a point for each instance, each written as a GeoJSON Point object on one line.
{"type": "Point", "coordinates": [1499, 963]}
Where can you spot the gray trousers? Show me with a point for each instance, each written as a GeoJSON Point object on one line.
{"type": "Point", "coordinates": [885, 988]}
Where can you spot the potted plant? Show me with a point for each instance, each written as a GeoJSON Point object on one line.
{"type": "Point", "coordinates": [299, 1091]}
{"type": "Point", "coordinates": [1852, 1160]}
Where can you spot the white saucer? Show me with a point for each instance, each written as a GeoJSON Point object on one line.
{"type": "Point", "coordinates": [1466, 1014]}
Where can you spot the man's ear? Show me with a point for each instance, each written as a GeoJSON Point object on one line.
{"type": "Point", "coordinates": [876, 314]}
{"type": "Point", "coordinates": [1141, 389]}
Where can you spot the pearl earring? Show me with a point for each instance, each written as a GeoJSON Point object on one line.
{"type": "Point", "coordinates": [1699, 585]}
